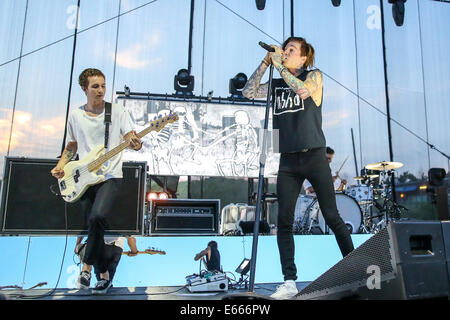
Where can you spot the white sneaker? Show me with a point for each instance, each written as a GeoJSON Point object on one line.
{"type": "Point", "coordinates": [84, 280]}
{"type": "Point", "coordinates": [285, 291]}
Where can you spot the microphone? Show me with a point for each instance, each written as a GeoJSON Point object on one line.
{"type": "Point", "coordinates": [266, 46]}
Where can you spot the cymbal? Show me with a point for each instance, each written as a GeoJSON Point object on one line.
{"type": "Point", "coordinates": [370, 176]}
{"type": "Point", "coordinates": [384, 165]}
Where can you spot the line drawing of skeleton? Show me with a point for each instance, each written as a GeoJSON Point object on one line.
{"type": "Point", "coordinates": [246, 146]}
{"type": "Point", "coordinates": [196, 144]}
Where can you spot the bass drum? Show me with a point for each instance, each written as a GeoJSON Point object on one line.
{"type": "Point", "coordinates": [348, 209]}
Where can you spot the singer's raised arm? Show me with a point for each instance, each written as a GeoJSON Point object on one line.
{"type": "Point", "coordinates": [311, 87]}
{"type": "Point", "coordinates": [253, 88]}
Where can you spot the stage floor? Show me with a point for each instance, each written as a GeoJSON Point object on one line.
{"type": "Point", "coordinates": [27, 261]}
{"type": "Point", "coordinates": [139, 293]}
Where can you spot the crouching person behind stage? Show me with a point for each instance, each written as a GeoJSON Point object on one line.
{"type": "Point", "coordinates": [112, 253]}
{"type": "Point", "coordinates": [210, 256]}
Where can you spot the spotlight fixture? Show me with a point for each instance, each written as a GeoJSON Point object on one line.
{"type": "Point", "coordinates": [163, 195]}
{"type": "Point", "coordinates": [243, 267]}
{"type": "Point", "coordinates": [336, 3]}
{"type": "Point", "coordinates": [260, 4]}
{"type": "Point", "coordinates": [152, 196]}
{"type": "Point", "coordinates": [210, 95]}
{"type": "Point", "coordinates": [398, 11]}
{"type": "Point", "coordinates": [183, 83]}
{"type": "Point", "coordinates": [237, 84]}
{"type": "Point", "coordinates": [156, 196]}
{"type": "Point", "coordinates": [127, 91]}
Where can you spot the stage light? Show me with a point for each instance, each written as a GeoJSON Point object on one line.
{"type": "Point", "coordinates": [210, 95]}
{"type": "Point", "coordinates": [436, 176]}
{"type": "Point", "coordinates": [336, 3]}
{"type": "Point", "coordinates": [260, 4]}
{"type": "Point", "coordinates": [237, 84]}
{"type": "Point", "coordinates": [152, 196]}
{"type": "Point", "coordinates": [183, 83]}
{"type": "Point", "coordinates": [163, 195]}
{"type": "Point", "coordinates": [243, 267]}
{"type": "Point", "coordinates": [127, 91]}
{"type": "Point", "coordinates": [398, 11]}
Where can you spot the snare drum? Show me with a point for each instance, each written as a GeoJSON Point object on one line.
{"type": "Point", "coordinates": [361, 193]}
{"type": "Point", "coordinates": [348, 209]}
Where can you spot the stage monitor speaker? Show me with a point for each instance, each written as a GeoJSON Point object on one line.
{"type": "Point", "coordinates": [446, 234]}
{"type": "Point", "coordinates": [183, 217]}
{"type": "Point", "coordinates": [29, 207]}
{"type": "Point", "coordinates": [405, 260]}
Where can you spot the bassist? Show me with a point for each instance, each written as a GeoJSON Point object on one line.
{"type": "Point", "coordinates": [85, 130]}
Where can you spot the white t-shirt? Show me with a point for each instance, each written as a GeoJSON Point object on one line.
{"type": "Point", "coordinates": [117, 241]}
{"type": "Point", "coordinates": [89, 132]}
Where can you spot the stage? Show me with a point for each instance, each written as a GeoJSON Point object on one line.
{"type": "Point", "coordinates": [32, 260]}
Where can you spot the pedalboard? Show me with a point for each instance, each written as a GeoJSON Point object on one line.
{"type": "Point", "coordinates": [207, 282]}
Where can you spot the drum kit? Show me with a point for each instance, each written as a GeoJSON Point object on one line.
{"type": "Point", "coordinates": [365, 208]}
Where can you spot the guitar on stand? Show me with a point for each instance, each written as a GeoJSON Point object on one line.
{"type": "Point", "coordinates": [81, 174]}
{"type": "Point", "coordinates": [150, 251]}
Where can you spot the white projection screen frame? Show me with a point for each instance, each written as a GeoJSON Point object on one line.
{"type": "Point", "coordinates": [208, 139]}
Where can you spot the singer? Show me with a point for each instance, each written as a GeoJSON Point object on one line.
{"type": "Point", "coordinates": [297, 114]}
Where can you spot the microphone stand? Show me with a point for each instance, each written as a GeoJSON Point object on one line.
{"type": "Point", "coordinates": [262, 161]}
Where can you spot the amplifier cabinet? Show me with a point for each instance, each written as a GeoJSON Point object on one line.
{"type": "Point", "coordinates": [30, 206]}
{"type": "Point", "coordinates": [183, 217]}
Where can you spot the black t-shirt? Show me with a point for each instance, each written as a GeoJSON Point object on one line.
{"type": "Point", "coordinates": [299, 121]}
{"type": "Point", "coordinates": [214, 262]}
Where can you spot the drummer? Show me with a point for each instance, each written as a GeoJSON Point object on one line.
{"type": "Point", "coordinates": [309, 190]}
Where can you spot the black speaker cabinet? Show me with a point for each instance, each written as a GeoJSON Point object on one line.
{"type": "Point", "coordinates": [446, 234]}
{"type": "Point", "coordinates": [405, 260]}
{"type": "Point", "coordinates": [183, 217]}
{"type": "Point", "coordinates": [29, 207]}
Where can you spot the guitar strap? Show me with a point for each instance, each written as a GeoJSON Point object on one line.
{"type": "Point", "coordinates": [107, 122]}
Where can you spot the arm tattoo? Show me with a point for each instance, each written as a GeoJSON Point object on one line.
{"type": "Point", "coordinates": [253, 89]}
{"type": "Point", "coordinates": [68, 155]}
{"type": "Point", "coordinates": [311, 87]}
{"type": "Point", "coordinates": [70, 151]}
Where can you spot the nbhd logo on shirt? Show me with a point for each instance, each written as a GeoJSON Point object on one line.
{"type": "Point", "coordinates": [287, 101]}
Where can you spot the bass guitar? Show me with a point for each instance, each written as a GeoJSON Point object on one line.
{"type": "Point", "coordinates": [81, 174]}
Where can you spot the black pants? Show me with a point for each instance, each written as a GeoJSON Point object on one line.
{"type": "Point", "coordinates": [111, 256]}
{"type": "Point", "coordinates": [96, 203]}
{"type": "Point", "coordinates": [294, 169]}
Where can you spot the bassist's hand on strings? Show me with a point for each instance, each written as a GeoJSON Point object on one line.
{"type": "Point", "coordinates": [57, 172]}
{"type": "Point", "coordinates": [135, 141]}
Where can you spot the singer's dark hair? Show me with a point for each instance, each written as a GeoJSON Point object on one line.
{"type": "Point", "coordinates": [305, 48]}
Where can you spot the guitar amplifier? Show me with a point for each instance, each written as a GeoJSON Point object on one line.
{"type": "Point", "coordinates": [30, 206]}
{"type": "Point", "coordinates": [183, 217]}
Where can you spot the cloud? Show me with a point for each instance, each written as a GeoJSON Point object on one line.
{"type": "Point", "coordinates": [30, 137]}
{"type": "Point", "coordinates": [139, 56]}
{"type": "Point", "coordinates": [130, 58]}
{"type": "Point", "coordinates": [334, 118]}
